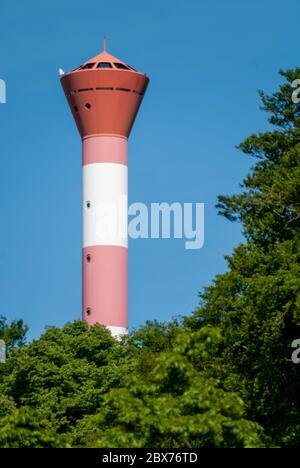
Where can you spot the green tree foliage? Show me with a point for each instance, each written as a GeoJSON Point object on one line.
{"type": "Point", "coordinates": [256, 304]}
{"type": "Point", "coordinates": [222, 377]}
{"type": "Point", "coordinates": [64, 374]}
{"type": "Point", "coordinates": [176, 404]}
{"type": "Point", "coordinates": [12, 334]}
{"type": "Point", "coordinates": [80, 387]}
{"type": "Point", "coordinates": [26, 428]}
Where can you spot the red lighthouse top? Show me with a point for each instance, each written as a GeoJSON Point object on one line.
{"type": "Point", "coordinates": [104, 95]}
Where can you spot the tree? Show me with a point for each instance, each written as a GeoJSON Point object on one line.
{"type": "Point", "coordinates": [256, 304]}
{"type": "Point", "coordinates": [13, 334]}
{"type": "Point", "coordinates": [26, 428]}
{"type": "Point", "coordinates": [62, 376]}
{"type": "Point", "coordinates": [177, 404]}
{"type": "Point", "coordinates": [80, 387]}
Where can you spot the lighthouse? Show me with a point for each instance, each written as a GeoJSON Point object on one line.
{"type": "Point", "coordinates": [104, 95]}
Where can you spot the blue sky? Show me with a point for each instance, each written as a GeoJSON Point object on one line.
{"type": "Point", "coordinates": [206, 60]}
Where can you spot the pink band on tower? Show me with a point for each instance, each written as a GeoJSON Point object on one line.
{"type": "Point", "coordinates": [105, 285]}
{"type": "Point", "coordinates": [100, 149]}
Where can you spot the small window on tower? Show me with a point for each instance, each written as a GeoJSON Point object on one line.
{"type": "Point", "coordinates": [88, 66]}
{"type": "Point", "coordinates": [88, 312]}
{"type": "Point", "coordinates": [121, 66]}
{"type": "Point", "coordinates": [104, 65]}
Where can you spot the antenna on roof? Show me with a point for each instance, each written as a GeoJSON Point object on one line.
{"type": "Point", "coordinates": [104, 43]}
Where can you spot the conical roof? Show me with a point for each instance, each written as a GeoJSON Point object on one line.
{"type": "Point", "coordinates": [105, 57]}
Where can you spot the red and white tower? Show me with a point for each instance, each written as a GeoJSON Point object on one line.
{"type": "Point", "coordinates": [104, 95]}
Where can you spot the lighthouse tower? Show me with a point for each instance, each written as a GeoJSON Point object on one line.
{"type": "Point", "coordinates": [104, 95]}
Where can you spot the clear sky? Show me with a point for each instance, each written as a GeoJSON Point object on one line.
{"type": "Point", "coordinates": [206, 60]}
